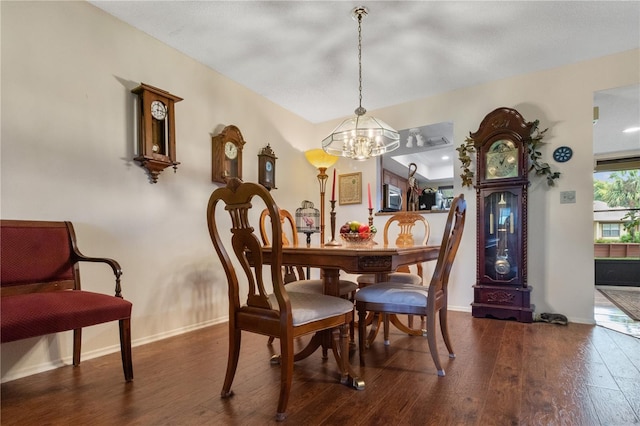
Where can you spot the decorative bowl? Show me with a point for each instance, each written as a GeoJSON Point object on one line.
{"type": "Point", "coordinates": [355, 239]}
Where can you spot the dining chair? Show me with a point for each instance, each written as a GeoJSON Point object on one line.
{"type": "Point", "coordinates": [282, 314]}
{"type": "Point", "coordinates": [403, 298]}
{"type": "Point", "coordinates": [404, 222]}
{"type": "Point", "coordinates": [294, 275]}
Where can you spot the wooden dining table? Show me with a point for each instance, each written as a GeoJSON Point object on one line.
{"type": "Point", "coordinates": [376, 259]}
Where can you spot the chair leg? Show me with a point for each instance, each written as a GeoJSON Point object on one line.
{"type": "Point", "coordinates": [125, 348]}
{"type": "Point", "coordinates": [433, 347]}
{"type": "Point", "coordinates": [362, 331]}
{"type": "Point", "coordinates": [232, 362]}
{"type": "Point", "coordinates": [286, 376]}
{"type": "Point", "coordinates": [352, 332]}
{"type": "Point", "coordinates": [385, 317]}
{"type": "Point", "coordinates": [444, 328]}
{"type": "Point", "coordinates": [340, 346]}
{"type": "Point", "coordinates": [77, 345]}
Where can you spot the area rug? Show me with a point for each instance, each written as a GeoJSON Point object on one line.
{"type": "Point", "coordinates": [627, 300]}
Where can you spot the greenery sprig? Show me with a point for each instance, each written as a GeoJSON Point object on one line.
{"type": "Point", "coordinates": [533, 143]}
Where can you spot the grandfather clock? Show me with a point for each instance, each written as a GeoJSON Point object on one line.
{"type": "Point", "coordinates": [501, 290]}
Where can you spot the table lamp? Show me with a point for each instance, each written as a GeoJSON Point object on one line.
{"type": "Point", "coordinates": [322, 161]}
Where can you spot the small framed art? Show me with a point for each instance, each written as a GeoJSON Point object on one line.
{"type": "Point", "coordinates": [350, 186]}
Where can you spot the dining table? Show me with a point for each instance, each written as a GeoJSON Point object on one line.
{"type": "Point", "coordinates": [377, 259]}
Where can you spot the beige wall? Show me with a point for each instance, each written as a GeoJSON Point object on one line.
{"type": "Point", "coordinates": [68, 142]}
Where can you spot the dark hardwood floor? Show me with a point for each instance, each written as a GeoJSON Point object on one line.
{"type": "Point", "coordinates": [505, 373]}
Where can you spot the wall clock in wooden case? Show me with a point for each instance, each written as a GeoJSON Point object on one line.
{"type": "Point", "coordinates": [226, 161]}
{"type": "Point", "coordinates": [267, 168]}
{"type": "Point", "coordinates": [501, 289]}
{"type": "Point", "coordinates": [156, 129]}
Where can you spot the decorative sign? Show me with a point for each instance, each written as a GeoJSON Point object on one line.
{"type": "Point", "coordinates": [350, 188]}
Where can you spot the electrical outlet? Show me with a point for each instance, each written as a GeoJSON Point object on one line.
{"type": "Point", "coordinates": [567, 197]}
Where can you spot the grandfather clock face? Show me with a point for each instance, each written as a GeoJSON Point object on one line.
{"type": "Point", "coordinates": [502, 160]}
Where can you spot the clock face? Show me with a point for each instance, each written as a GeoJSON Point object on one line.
{"type": "Point", "coordinates": [230, 150]}
{"type": "Point", "coordinates": [502, 160]}
{"type": "Point", "coordinates": [269, 166]}
{"type": "Point", "coordinates": [158, 110]}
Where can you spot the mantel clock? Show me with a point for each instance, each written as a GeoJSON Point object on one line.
{"type": "Point", "coordinates": [156, 129]}
{"type": "Point", "coordinates": [501, 289]}
{"type": "Point", "coordinates": [226, 151]}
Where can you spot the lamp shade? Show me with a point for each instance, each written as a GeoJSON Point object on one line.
{"type": "Point", "coordinates": [361, 137]}
{"type": "Point", "coordinates": [318, 158]}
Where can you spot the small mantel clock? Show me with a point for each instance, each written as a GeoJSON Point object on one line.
{"type": "Point", "coordinates": [267, 168]}
{"type": "Point", "coordinates": [501, 290]}
{"type": "Point", "coordinates": [226, 151]}
{"type": "Point", "coordinates": [156, 129]}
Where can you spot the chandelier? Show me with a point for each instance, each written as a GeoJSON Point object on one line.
{"type": "Point", "coordinates": [362, 136]}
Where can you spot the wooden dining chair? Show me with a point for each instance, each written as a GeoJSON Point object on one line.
{"type": "Point", "coordinates": [282, 314]}
{"type": "Point", "coordinates": [402, 298]}
{"type": "Point", "coordinates": [404, 222]}
{"type": "Point", "coordinates": [294, 275]}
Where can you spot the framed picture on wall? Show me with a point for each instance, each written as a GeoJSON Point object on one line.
{"type": "Point", "coordinates": [350, 187]}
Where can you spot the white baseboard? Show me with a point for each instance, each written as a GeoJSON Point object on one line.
{"type": "Point", "coordinates": [67, 361]}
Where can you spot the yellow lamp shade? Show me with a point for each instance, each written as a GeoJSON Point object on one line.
{"type": "Point", "coordinates": [320, 159]}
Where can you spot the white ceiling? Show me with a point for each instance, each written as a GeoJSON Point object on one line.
{"type": "Point", "coordinates": [302, 55]}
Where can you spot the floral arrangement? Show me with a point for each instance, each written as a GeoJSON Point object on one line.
{"type": "Point", "coordinates": [533, 143]}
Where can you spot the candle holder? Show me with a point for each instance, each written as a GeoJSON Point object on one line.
{"type": "Point", "coordinates": [370, 216]}
{"type": "Point", "coordinates": [333, 241]}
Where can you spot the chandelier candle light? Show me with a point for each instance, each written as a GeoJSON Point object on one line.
{"type": "Point", "coordinates": [362, 136]}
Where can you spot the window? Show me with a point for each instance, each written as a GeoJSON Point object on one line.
{"type": "Point", "coordinates": [610, 230]}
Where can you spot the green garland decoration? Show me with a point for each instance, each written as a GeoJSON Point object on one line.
{"type": "Point", "coordinates": [533, 143]}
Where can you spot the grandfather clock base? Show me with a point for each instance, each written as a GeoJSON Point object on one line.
{"type": "Point", "coordinates": [502, 302]}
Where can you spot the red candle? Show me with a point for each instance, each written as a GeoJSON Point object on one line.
{"type": "Point", "coordinates": [369, 194]}
{"type": "Point", "coordinates": [333, 189]}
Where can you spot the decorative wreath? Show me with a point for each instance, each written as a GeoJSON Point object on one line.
{"type": "Point", "coordinates": [534, 141]}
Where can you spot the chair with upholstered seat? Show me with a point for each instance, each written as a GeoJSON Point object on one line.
{"type": "Point", "coordinates": [294, 276]}
{"type": "Point", "coordinates": [402, 298]}
{"type": "Point", "coordinates": [405, 221]}
{"type": "Point", "coordinates": [282, 314]}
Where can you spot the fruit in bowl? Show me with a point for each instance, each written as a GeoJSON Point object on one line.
{"type": "Point", "coordinates": [357, 233]}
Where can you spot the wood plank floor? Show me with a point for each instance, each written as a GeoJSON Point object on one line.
{"type": "Point", "coordinates": [505, 373]}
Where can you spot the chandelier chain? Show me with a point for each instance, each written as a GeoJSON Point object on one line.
{"type": "Point", "coordinates": [360, 59]}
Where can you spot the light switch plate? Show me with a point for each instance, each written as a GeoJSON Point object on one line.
{"type": "Point", "coordinates": [567, 197]}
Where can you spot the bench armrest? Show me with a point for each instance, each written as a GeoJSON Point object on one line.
{"type": "Point", "coordinates": [115, 266]}
{"type": "Point", "coordinates": [79, 257]}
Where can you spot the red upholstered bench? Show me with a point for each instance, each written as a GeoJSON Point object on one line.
{"type": "Point", "coordinates": [40, 282]}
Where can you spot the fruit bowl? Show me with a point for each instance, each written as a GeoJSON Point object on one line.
{"type": "Point", "coordinates": [356, 239]}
